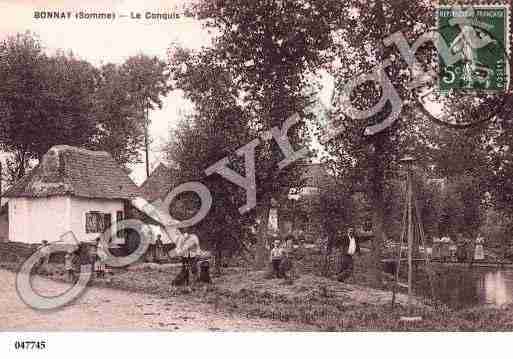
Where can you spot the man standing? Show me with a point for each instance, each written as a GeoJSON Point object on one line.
{"type": "Point", "coordinates": [461, 251]}
{"type": "Point", "coordinates": [349, 246]}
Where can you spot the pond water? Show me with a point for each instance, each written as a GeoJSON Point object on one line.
{"type": "Point", "coordinates": [466, 287]}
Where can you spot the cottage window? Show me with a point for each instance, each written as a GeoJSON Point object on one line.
{"type": "Point", "coordinates": [97, 222]}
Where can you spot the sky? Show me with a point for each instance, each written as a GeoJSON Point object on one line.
{"type": "Point", "coordinates": [104, 41]}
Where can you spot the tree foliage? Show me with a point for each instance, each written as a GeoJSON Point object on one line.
{"type": "Point", "coordinates": [44, 100]}
{"type": "Point", "coordinates": [59, 99]}
{"type": "Point", "coordinates": [216, 129]}
{"type": "Point", "coordinates": [270, 47]}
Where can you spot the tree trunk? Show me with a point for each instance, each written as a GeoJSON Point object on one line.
{"type": "Point", "coordinates": [1, 180]}
{"type": "Point", "coordinates": [261, 256]}
{"type": "Point", "coordinates": [218, 255]}
{"type": "Point", "coordinates": [377, 171]}
{"type": "Point", "coordinates": [376, 194]}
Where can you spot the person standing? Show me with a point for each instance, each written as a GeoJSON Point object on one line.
{"type": "Point", "coordinates": [68, 266]}
{"type": "Point", "coordinates": [98, 264]}
{"type": "Point", "coordinates": [349, 247]}
{"type": "Point", "coordinates": [286, 265]}
{"type": "Point", "coordinates": [276, 257]}
{"type": "Point", "coordinates": [461, 251]}
{"type": "Point", "coordinates": [444, 249]}
{"type": "Point", "coordinates": [479, 254]}
{"type": "Point", "coordinates": [84, 259]}
{"type": "Point", "coordinates": [45, 259]}
{"type": "Point", "coordinates": [192, 254]}
{"type": "Point", "coordinates": [150, 253]}
{"type": "Point", "coordinates": [182, 278]}
{"type": "Point", "coordinates": [93, 254]}
{"type": "Point", "coordinates": [437, 248]}
{"type": "Point", "coordinates": [189, 250]}
{"type": "Point", "coordinates": [158, 249]}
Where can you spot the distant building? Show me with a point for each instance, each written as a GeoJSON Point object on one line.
{"type": "Point", "coordinates": [441, 183]}
{"type": "Point", "coordinates": [300, 213]}
{"type": "Point", "coordinates": [158, 185]}
{"type": "Point", "coordinates": [72, 189]}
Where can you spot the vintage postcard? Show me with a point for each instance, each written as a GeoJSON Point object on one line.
{"type": "Point", "coordinates": [174, 166]}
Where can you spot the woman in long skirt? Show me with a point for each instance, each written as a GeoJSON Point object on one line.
{"type": "Point", "coordinates": [479, 254]}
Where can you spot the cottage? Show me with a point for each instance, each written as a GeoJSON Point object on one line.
{"type": "Point", "coordinates": [72, 189]}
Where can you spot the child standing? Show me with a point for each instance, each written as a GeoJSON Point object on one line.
{"type": "Point", "coordinates": [276, 257]}
{"type": "Point", "coordinates": [69, 266]}
{"type": "Point", "coordinates": [93, 254]}
{"type": "Point", "coordinates": [99, 266]}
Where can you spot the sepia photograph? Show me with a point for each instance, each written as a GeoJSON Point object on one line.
{"type": "Point", "coordinates": [297, 166]}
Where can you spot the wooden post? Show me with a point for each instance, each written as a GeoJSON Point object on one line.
{"type": "Point", "coordinates": [146, 138]}
{"type": "Point", "coordinates": [410, 243]}
{"type": "Point", "coordinates": [1, 178]}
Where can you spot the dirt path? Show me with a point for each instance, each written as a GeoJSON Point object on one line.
{"type": "Point", "coordinates": [108, 309]}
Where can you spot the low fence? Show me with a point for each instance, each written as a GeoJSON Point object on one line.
{"type": "Point", "coordinates": [16, 252]}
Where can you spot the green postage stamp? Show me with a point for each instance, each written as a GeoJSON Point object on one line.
{"type": "Point", "coordinates": [477, 38]}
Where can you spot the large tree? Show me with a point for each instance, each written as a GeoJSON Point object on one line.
{"type": "Point", "coordinates": [271, 46]}
{"type": "Point", "coordinates": [61, 99]}
{"type": "Point", "coordinates": [214, 130]}
{"type": "Point", "coordinates": [119, 119]}
{"type": "Point", "coordinates": [148, 82]}
{"type": "Point", "coordinates": [374, 158]}
{"type": "Point", "coordinates": [44, 100]}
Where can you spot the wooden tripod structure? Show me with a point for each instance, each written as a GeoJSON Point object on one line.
{"type": "Point", "coordinates": [411, 229]}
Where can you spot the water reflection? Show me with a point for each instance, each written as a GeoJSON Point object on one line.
{"type": "Point", "coordinates": [464, 287]}
{"type": "Point", "coordinates": [498, 288]}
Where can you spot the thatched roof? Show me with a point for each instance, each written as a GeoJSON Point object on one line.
{"type": "Point", "coordinates": [159, 184]}
{"type": "Point", "coordinates": [66, 170]}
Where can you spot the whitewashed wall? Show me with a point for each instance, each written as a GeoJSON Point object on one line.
{"type": "Point", "coordinates": [32, 220]}
{"type": "Point", "coordinates": [79, 208]}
